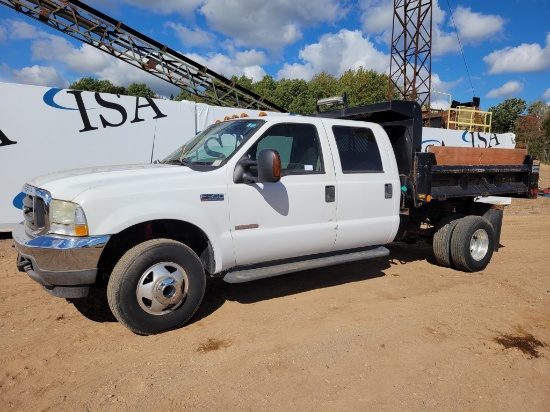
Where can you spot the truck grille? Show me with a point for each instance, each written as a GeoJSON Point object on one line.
{"type": "Point", "coordinates": [36, 207]}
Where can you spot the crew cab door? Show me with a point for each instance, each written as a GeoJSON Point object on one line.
{"type": "Point", "coordinates": [367, 181]}
{"type": "Point", "coordinates": [295, 216]}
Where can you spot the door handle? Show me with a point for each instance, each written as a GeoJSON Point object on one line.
{"type": "Point", "coordinates": [330, 194]}
{"type": "Point", "coordinates": [388, 190]}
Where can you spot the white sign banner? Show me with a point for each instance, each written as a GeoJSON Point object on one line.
{"type": "Point", "coordinates": [43, 130]}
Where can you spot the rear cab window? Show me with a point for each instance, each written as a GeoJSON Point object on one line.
{"type": "Point", "coordinates": [357, 149]}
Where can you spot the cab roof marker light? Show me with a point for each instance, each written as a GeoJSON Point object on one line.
{"type": "Point", "coordinates": [262, 114]}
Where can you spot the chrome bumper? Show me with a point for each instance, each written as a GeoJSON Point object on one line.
{"type": "Point", "coordinates": [64, 266]}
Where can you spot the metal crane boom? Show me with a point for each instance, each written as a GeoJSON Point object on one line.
{"type": "Point", "coordinates": [92, 27]}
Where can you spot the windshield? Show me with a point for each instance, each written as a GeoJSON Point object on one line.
{"type": "Point", "coordinates": [217, 143]}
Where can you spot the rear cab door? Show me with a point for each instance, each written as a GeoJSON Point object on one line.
{"type": "Point", "coordinates": [367, 182]}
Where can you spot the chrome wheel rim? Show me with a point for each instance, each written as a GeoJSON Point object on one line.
{"type": "Point", "coordinates": [479, 244]}
{"type": "Point", "coordinates": [162, 288]}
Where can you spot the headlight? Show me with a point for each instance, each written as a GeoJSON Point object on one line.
{"type": "Point", "coordinates": [67, 218]}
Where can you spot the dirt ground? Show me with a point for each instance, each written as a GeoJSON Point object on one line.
{"type": "Point", "coordinates": [393, 334]}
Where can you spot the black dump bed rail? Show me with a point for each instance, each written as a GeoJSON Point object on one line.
{"type": "Point", "coordinates": [442, 182]}
{"type": "Point", "coordinates": [445, 172]}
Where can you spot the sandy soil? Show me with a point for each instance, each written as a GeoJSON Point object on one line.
{"type": "Point", "coordinates": [397, 334]}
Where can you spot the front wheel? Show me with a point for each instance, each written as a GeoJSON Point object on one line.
{"type": "Point", "coordinates": [472, 243]}
{"type": "Point", "coordinates": [156, 286]}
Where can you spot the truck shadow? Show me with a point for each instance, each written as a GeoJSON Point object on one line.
{"type": "Point", "coordinates": [218, 291]}
{"type": "Point", "coordinates": [96, 308]}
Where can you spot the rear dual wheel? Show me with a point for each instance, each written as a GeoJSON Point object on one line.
{"type": "Point", "coordinates": [472, 243]}
{"type": "Point", "coordinates": [466, 243]}
{"type": "Point", "coordinates": [442, 238]}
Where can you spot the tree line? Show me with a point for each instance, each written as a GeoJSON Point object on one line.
{"type": "Point", "coordinates": [295, 95]}
{"type": "Point", "coordinates": [529, 121]}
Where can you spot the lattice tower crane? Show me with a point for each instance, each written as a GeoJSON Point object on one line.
{"type": "Point", "coordinates": [411, 62]}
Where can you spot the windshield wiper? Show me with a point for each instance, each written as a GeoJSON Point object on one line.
{"type": "Point", "coordinates": [182, 162]}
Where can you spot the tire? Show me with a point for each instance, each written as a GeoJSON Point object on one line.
{"type": "Point", "coordinates": [472, 243]}
{"type": "Point", "coordinates": [442, 238]}
{"type": "Point", "coordinates": [156, 286]}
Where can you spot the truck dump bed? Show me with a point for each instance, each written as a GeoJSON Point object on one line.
{"type": "Point", "coordinates": [449, 172]}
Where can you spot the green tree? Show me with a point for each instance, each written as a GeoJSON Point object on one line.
{"type": "Point", "coordinates": [538, 108]}
{"type": "Point", "coordinates": [363, 86]}
{"type": "Point", "coordinates": [506, 113]}
{"type": "Point", "coordinates": [533, 130]}
{"type": "Point", "coordinates": [89, 84]}
{"type": "Point", "coordinates": [324, 85]}
{"type": "Point", "coordinates": [141, 90]}
{"type": "Point", "coordinates": [528, 132]}
{"type": "Point", "coordinates": [185, 94]}
{"type": "Point", "coordinates": [294, 95]}
{"type": "Point", "coordinates": [243, 81]}
{"type": "Point", "coordinates": [266, 88]}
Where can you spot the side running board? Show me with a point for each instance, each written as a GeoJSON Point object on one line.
{"type": "Point", "coordinates": [254, 272]}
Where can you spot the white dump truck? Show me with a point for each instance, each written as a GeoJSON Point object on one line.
{"type": "Point", "coordinates": [255, 197]}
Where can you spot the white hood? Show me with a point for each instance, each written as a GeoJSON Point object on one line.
{"type": "Point", "coordinates": [68, 184]}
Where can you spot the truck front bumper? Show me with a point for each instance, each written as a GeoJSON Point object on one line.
{"type": "Point", "coordinates": [65, 266]}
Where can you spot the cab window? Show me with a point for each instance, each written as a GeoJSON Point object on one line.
{"type": "Point", "coordinates": [298, 146]}
{"type": "Point", "coordinates": [357, 149]}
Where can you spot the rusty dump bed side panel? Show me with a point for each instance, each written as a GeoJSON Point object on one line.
{"type": "Point", "coordinates": [471, 156]}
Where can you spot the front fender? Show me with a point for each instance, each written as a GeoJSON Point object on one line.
{"type": "Point", "coordinates": [108, 217]}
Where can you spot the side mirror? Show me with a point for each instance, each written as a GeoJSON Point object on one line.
{"type": "Point", "coordinates": [269, 166]}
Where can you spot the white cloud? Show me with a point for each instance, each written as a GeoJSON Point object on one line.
{"type": "Point", "coordinates": [334, 54]}
{"type": "Point", "coordinates": [3, 35]}
{"type": "Point", "coordinates": [83, 60]}
{"type": "Point", "coordinates": [19, 30]}
{"type": "Point", "coordinates": [441, 97]}
{"type": "Point", "coordinates": [443, 42]}
{"type": "Point", "coordinates": [475, 27]}
{"type": "Point", "coordinates": [508, 89]}
{"type": "Point", "coordinates": [546, 94]}
{"type": "Point", "coordinates": [192, 37]}
{"type": "Point", "coordinates": [472, 27]}
{"type": "Point", "coordinates": [249, 58]}
{"type": "Point", "coordinates": [185, 7]}
{"type": "Point", "coordinates": [521, 59]}
{"type": "Point", "coordinates": [247, 63]}
{"type": "Point", "coordinates": [256, 73]}
{"type": "Point", "coordinates": [39, 76]}
{"type": "Point", "coordinates": [376, 16]}
{"type": "Point", "coordinates": [123, 74]}
{"type": "Point", "coordinates": [268, 24]}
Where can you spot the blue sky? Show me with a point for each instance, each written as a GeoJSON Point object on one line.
{"type": "Point", "coordinates": [506, 44]}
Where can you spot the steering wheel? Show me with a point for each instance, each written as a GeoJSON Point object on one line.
{"type": "Point", "coordinates": [211, 152]}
